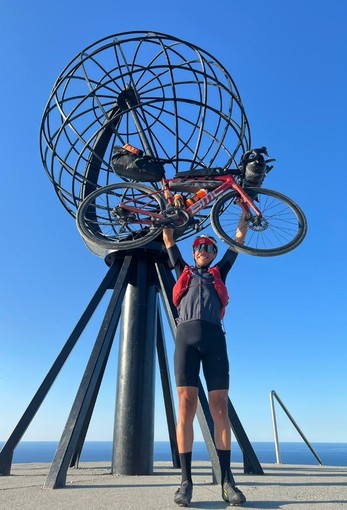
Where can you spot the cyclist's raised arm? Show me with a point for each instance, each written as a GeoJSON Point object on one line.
{"type": "Point", "coordinates": [168, 237]}
{"type": "Point", "coordinates": [173, 251]}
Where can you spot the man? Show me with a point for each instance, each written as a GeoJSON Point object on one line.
{"type": "Point", "coordinates": [200, 296]}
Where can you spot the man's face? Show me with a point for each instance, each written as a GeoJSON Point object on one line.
{"type": "Point", "coordinates": [203, 258]}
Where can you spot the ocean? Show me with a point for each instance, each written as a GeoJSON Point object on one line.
{"type": "Point", "coordinates": [331, 454]}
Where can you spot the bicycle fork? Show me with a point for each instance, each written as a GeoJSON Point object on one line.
{"type": "Point", "coordinates": [247, 205]}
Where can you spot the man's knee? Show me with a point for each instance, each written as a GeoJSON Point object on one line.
{"type": "Point", "coordinates": [218, 401]}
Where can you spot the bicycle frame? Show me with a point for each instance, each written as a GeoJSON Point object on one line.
{"type": "Point", "coordinates": [228, 182]}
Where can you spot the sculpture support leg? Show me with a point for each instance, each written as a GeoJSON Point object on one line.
{"type": "Point", "coordinates": [81, 411]}
{"type": "Point", "coordinates": [167, 392]}
{"type": "Point", "coordinates": [6, 453]}
{"type": "Point", "coordinates": [134, 419]}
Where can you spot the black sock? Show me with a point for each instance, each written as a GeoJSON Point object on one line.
{"type": "Point", "coordinates": [186, 466]}
{"type": "Point", "coordinates": [224, 461]}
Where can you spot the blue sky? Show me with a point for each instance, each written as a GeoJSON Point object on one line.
{"type": "Point", "coordinates": [286, 324]}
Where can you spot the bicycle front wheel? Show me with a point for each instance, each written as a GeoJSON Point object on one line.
{"type": "Point", "coordinates": [280, 229]}
{"type": "Point", "coordinates": [104, 223]}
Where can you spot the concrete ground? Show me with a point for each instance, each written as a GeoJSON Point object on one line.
{"type": "Point", "coordinates": [93, 487]}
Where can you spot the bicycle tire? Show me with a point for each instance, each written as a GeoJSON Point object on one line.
{"type": "Point", "coordinates": [100, 226]}
{"type": "Point", "coordinates": [283, 228]}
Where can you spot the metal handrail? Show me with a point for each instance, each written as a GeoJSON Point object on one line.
{"type": "Point", "coordinates": [273, 395]}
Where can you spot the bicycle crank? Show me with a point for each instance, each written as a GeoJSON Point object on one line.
{"type": "Point", "coordinates": [174, 216]}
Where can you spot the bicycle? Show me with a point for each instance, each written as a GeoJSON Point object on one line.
{"type": "Point", "coordinates": [129, 215]}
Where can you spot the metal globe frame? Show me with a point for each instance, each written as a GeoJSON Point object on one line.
{"type": "Point", "coordinates": [156, 92]}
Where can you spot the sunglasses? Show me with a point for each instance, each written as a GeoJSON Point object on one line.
{"type": "Point", "coordinates": [209, 248]}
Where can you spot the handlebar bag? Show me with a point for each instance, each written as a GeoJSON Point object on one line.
{"type": "Point", "coordinates": [255, 173]}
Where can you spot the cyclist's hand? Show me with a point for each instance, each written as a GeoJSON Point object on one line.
{"type": "Point", "coordinates": [168, 237]}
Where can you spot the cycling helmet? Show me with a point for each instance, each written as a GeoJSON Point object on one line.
{"type": "Point", "coordinates": [206, 240]}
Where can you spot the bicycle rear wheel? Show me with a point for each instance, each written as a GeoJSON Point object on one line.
{"type": "Point", "coordinates": [281, 228]}
{"type": "Point", "coordinates": [104, 224]}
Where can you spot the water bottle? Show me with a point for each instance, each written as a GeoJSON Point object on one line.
{"type": "Point", "coordinates": [201, 193]}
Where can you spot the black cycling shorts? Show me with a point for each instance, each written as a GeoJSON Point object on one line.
{"type": "Point", "coordinates": [201, 342]}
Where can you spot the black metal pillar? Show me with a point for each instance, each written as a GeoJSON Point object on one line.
{"type": "Point", "coordinates": [134, 417]}
{"type": "Point", "coordinates": [167, 392]}
{"type": "Point", "coordinates": [80, 413]}
{"type": "Point", "coordinates": [251, 464]}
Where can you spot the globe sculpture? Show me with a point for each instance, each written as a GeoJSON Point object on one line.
{"type": "Point", "coordinates": [167, 97]}
{"type": "Point", "coordinates": [177, 104]}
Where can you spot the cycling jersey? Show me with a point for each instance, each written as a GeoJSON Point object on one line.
{"type": "Point", "coordinates": [201, 301]}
